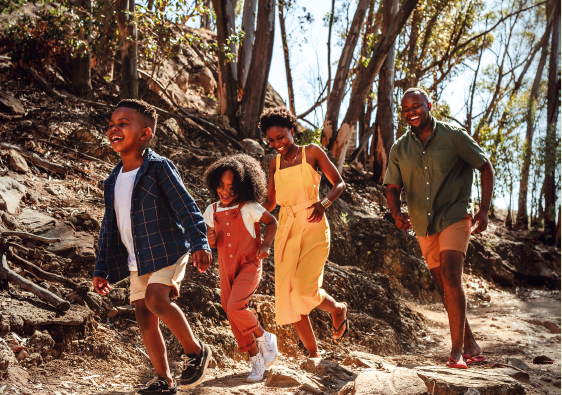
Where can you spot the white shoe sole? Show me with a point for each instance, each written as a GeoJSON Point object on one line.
{"type": "Point", "coordinates": [254, 380]}
{"type": "Point", "coordinates": [270, 363]}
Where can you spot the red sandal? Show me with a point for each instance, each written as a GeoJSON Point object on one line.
{"type": "Point", "coordinates": [475, 359]}
{"type": "Point", "coordinates": [453, 363]}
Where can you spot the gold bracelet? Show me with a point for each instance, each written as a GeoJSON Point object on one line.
{"type": "Point", "coordinates": [326, 203]}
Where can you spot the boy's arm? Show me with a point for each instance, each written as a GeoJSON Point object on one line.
{"type": "Point", "coordinates": [100, 268]}
{"type": "Point", "coordinates": [184, 207]}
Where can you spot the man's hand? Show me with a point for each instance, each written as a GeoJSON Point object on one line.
{"type": "Point", "coordinates": [263, 251]}
{"type": "Point", "coordinates": [482, 218]}
{"type": "Point", "coordinates": [101, 285]}
{"type": "Point", "coordinates": [402, 221]}
{"type": "Point", "coordinates": [317, 213]}
{"type": "Point", "coordinates": [202, 259]}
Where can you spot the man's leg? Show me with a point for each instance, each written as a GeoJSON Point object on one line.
{"type": "Point", "coordinates": [153, 340]}
{"type": "Point", "coordinates": [471, 348]}
{"type": "Point", "coordinates": [158, 301]}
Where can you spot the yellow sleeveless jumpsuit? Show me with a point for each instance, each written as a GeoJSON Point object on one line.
{"type": "Point", "coordinates": [301, 247]}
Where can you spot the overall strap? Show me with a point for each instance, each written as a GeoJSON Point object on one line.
{"type": "Point", "coordinates": [258, 233]}
{"type": "Point", "coordinates": [215, 218]}
{"type": "Point", "coordinates": [303, 154]}
{"type": "Point", "coordinates": [277, 161]}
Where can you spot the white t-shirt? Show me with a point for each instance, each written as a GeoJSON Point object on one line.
{"type": "Point", "coordinates": [122, 203]}
{"type": "Point", "coordinates": [251, 213]}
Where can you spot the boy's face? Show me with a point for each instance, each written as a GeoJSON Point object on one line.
{"type": "Point", "coordinates": [128, 131]}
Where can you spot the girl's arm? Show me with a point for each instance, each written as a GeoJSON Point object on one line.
{"type": "Point", "coordinates": [333, 176]}
{"type": "Point", "coordinates": [271, 222]}
{"type": "Point", "coordinates": [270, 202]}
{"type": "Point", "coordinates": [211, 237]}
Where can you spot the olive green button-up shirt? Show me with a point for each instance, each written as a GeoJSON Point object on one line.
{"type": "Point", "coordinates": [437, 178]}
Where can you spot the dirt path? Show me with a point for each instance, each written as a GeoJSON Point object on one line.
{"type": "Point", "coordinates": [507, 324]}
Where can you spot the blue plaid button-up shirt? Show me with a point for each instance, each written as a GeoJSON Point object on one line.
{"type": "Point", "coordinates": [165, 221]}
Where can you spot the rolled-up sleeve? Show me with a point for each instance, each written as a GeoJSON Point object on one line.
{"type": "Point", "coordinates": [393, 174]}
{"type": "Point", "coordinates": [469, 150]}
{"type": "Point", "coordinates": [184, 207]}
{"type": "Point", "coordinates": [100, 268]}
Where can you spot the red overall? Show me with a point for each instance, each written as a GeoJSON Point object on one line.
{"type": "Point", "coordinates": [240, 272]}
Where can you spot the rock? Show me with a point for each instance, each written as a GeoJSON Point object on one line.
{"type": "Point", "coordinates": [41, 342]}
{"type": "Point", "coordinates": [119, 296]}
{"type": "Point", "coordinates": [444, 381]}
{"type": "Point", "coordinates": [542, 360]}
{"type": "Point", "coordinates": [253, 146]}
{"type": "Point", "coordinates": [398, 381]}
{"type": "Point", "coordinates": [10, 221]}
{"type": "Point", "coordinates": [34, 359]}
{"type": "Point", "coordinates": [10, 104]}
{"type": "Point", "coordinates": [22, 355]}
{"type": "Point", "coordinates": [551, 326]}
{"type": "Point", "coordinates": [511, 372]}
{"type": "Point", "coordinates": [11, 193]}
{"type": "Point", "coordinates": [17, 162]}
{"type": "Point", "coordinates": [17, 376]}
{"type": "Point", "coordinates": [282, 376]}
{"type": "Point", "coordinates": [34, 313]}
{"type": "Point", "coordinates": [204, 78]}
{"type": "Point", "coordinates": [519, 364]}
{"type": "Point", "coordinates": [7, 357]}
{"type": "Point", "coordinates": [327, 369]}
{"type": "Point", "coordinates": [272, 98]}
{"type": "Point", "coordinates": [364, 360]}
{"type": "Point", "coordinates": [488, 263]}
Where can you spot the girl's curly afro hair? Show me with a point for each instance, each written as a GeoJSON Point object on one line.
{"type": "Point", "coordinates": [249, 182]}
{"type": "Point", "coordinates": [278, 116]}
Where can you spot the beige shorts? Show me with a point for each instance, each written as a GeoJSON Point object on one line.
{"type": "Point", "coordinates": [170, 275]}
{"type": "Point", "coordinates": [454, 237]}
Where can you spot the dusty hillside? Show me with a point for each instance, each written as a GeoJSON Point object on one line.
{"type": "Point", "coordinates": [53, 158]}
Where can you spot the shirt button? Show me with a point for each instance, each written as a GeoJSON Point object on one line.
{"type": "Point", "coordinates": [228, 234]}
{"type": "Point", "coordinates": [428, 213]}
{"type": "Point", "coordinates": [231, 255]}
{"type": "Point", "coordinates": [426, 183]}
{"type": "Point", "coordinates": [426, 168]}
{"type": "Point", "coordinates": [230, 245]}
{"type": "Point", "coordinates": [423, 152]}
{"type": "Point", "coordinates": [226, 213]}
{"type": "Point", "coordinates": [427, 198]}
{"type": "Point", "coordinates": [229, 224]}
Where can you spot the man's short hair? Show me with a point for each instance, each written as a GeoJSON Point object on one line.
{"type": "Point", "coordinates": [146, 110]}
{"type": "Point", "coordinates": [417, 90]}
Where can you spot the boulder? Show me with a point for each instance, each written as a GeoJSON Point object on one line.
{"type": "Point", "coordinates": [41, 342]}
{"type": "Point", "coordinates": [7, 357]}
{"type": "Point", "coordinates": [283, 377]}
{"type": "Point", "coordinates": [205, 79]}
{"type": "Point", "coordinates": [488, 263]}
{"type": "Point", "coordinates": [327, 373]}
{"type": "Point", "coordinates": [517, 374]}
{"type": "Point", "coordinates": [17, 162]}
{"type": "Point", "coordinates": [397, 381]}
{"type": "Point", "coordinates": [9, 220]}
{"type": "Point", "coordinates": [253, 146]}
{"type": "Point", "coordinates": [11, 193]}
{"type": "Point", "coordinates": [272, 98]}
{"type": "Point", "coordinates": [9, 104]}
{"type": "Point", "coordinates": [34, 313]}
{"type": "Point", "coordinates": [445, 381]}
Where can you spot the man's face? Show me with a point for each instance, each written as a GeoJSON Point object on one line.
{"type": "Point", "coordinates": [415, 110]}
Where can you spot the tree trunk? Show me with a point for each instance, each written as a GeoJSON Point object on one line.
{"type": "Point", "coordinates": [375, 63]}
{"type": "Point", "coordinates": [522, 219]}
{"type": "Point", "coordinates": [385, 97]}
{"type": "Point", "coordinates": [287, 62]}
{"type": "Point", "coordinates": [128, 35]}
{"type": "Point", "coordinates": [227, 83]}
{"type": "Point", "coordinates": [338, 88]}
{"type": "Point", "coordinates": [81, 64]}
{"type": "Point", "coordinates": [205, 19]}
{"type": "Point", "coordinates": [245, 50]}
{"type": "Point", "coordinates": [253, 99]}
{"type": "Point", "coordinates": [551, 134]}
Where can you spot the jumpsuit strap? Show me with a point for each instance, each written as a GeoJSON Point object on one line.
{"type": "Point", "coordinates": [277, 161]}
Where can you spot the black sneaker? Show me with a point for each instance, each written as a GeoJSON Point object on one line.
{"type": "Point", "coordinates": [158, 385]}
{"type": "Point", "coordinates": [194, 367]}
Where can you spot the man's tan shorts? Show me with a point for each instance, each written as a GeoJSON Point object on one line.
{"type": "Point", "coordinates": [170, 275]}
{"type": "Point", "coordinates": [454, 237]}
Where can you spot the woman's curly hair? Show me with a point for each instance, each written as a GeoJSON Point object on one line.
{"type": "Point", "coordinates": [249, 184]}
{"type": "Point", "coordinates": [278, 116]}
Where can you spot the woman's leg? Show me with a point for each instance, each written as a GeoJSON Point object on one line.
{"type": "Point", "coordinates": [306, 334]}
{"type": "Point", "coordinates": [338, 312]}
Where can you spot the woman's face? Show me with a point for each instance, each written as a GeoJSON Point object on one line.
{"type": "Point", "coordinates": [281, 138]}
{"type": "Point", "coordinates": [225, 189]}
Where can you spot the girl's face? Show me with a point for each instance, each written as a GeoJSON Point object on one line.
{"type": "Point", "coordinates": [225, 189]}
{"type": "Point", "coordinates": [281, 138]}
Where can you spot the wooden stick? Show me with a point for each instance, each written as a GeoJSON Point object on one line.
{"type": "Point", "coordinates": [8, 274]}
{"type": "Point", "coordinates": [29, 236]}
{"type": "Point", "coordinates": [37, 160]}
{"type": "Point", "coordinates": [74, 150]}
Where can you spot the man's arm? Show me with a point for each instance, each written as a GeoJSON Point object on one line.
{"type": "Point", "coordinates": [487, 181]}
{"type": "Point", "coordinates": [402, 220]}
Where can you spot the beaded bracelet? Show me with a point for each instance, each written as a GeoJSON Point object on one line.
{"type": "Point", "coordinates": [326, 202]}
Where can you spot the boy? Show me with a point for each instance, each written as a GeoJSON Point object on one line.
{"type": "Point", "coordinates": [150, 225]}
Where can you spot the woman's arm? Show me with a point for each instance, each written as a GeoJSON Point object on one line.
{"type": "Point", "coordinates": [271, 229]}
{"type": "Point", "coordinates": [328, 168]}
{"type": "Point", "coordinates": [270, 202]}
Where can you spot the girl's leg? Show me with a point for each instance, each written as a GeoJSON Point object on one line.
{"type": "Point", "coordinates": [338, 312]}
{"type": "Point", "coordinates": [306, 334]}
{"type": "Point", "coordinates": [153, 340]}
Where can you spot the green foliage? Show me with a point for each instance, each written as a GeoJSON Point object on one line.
{"type": "Point", "coordinates": [309, 136]}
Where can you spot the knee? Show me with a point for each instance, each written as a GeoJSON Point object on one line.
{"type": "Point", "coordinates": [234, 308]}
{"type": "Point", "coordinates": [143, 315]}
{"type": "Point", "coordinates": [154, 302]}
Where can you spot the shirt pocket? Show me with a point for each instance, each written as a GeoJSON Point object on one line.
{"type": "Point", "coordinates": [442, 160]}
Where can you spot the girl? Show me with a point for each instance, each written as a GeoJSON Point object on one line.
{"type": "Point", "coordinates": [302, 247]}
{"type": "Point", "coordinates": [233, 228]}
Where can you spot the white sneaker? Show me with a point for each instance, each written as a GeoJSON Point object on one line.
{"type": "Point", "coordinates": [258, 368]}
{"type": "Point", "coordinates": [267, 344]}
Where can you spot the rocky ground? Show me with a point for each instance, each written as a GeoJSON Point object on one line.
{"type": "Point", "coordinates": [53, 159]}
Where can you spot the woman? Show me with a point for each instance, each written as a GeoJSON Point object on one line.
{"type": "Point", "coordinates": [302, 242]}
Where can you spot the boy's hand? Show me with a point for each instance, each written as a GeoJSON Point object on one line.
{"type": "Point", "coordinates": [101, 285]}
{"type": "Point", "coordinates": [202, 259]}
{"type": "Point", "coordinates": [211, 237]}
{"type": "Point", "coordinates": [263, 252]}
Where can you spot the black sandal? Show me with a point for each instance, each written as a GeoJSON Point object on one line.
{"type": "Point", "coordinates": [344, 334]}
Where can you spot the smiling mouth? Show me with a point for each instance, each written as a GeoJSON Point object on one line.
{"type": "Point", "coordinates": [115, 139]}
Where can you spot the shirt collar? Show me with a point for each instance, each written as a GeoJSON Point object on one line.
{"type": "Point", "coordinates": [434, 125]}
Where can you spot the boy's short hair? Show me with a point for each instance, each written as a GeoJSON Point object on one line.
{"type": "Point", "coordinates": [278, 116]}
{"type": "Point", "coordinates": [143, 108]}
{"type": "Point", "coordinates": [417, 90]}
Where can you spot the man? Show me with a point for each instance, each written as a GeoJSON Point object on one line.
{"type": "Point", "coordinates": [434, 164]}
